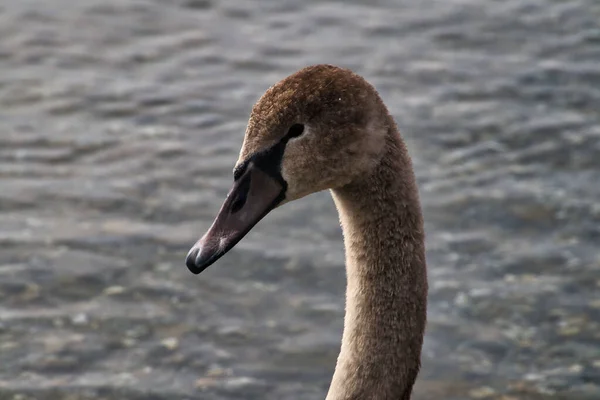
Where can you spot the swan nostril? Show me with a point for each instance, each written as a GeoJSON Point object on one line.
{"type": "Point", "coordinates": [238, 203]}
{"type": "Point", "coordinates": [241, 194]}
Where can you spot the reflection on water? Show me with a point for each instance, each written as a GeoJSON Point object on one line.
{"type": "Point", "coordinates": [122, 119]}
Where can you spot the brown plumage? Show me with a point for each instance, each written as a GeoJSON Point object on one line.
{"type": "Point", "coordinates": [351, 146]}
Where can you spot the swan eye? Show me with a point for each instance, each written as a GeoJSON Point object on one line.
{"type": "Point", "coordinates": [295, 130]}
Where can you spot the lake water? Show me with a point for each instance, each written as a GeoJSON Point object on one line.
{"type": "Point", "coordinates": [121, 121]}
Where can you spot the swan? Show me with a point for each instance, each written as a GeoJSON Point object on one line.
{"type": "Point", "coordinates": [325, 127]}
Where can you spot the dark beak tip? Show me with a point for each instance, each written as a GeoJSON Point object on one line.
{"type": "Point", "coordinates": [190, 261]}
{"type": "Point", "coordinates": [200, 258]}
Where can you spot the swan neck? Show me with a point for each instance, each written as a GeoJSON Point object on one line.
{"type": "Point", "coordinates": [386, 291]}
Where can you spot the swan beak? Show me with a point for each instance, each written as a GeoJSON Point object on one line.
{"type": "Point", "coordinates": [253, 195]}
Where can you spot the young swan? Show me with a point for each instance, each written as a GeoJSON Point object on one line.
{"type": "Point", "coordinates": [326, 128]}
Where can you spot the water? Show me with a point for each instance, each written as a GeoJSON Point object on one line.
{"type": "Point", "coordinates": [121, 122]}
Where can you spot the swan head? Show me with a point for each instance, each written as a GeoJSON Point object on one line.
{"type": "Point", "coordinates": [320, 128]}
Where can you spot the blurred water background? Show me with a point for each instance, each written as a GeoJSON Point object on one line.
{"type": "Point", "coordinates": [120, 124]}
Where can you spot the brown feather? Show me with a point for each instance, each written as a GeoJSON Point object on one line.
{"type": "Point", "coordinates": [351, 145]}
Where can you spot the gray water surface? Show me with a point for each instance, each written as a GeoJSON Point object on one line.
{"type": "Point", "coordinates": [120, 124]}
